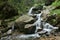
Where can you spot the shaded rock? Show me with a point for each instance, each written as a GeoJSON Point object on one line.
{"type": "Point", "coordinates": [25, 28]}
{"type": "Point", "coordinates": [29, 29]}
{"type": "Point", "coordinates": [57, 7]}
{"type": "Point", "coordinates": [20, 26]}
{"type": "Point", "coordinates": [58, 19]}
{"type": "Point", "coordinates": [51, 19]}
{"type": "Point", "coordinates": [45, 14]}
{"type": "Point", "coordinates": [24, 24]}
{"type": "Point", "coordinates": [55, 21]}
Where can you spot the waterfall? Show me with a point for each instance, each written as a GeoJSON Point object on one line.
{"type": "Point", "coordinates": [30, 11]}
{"type": "Point", "coordinates": [38, 22]}
{"type": "Point", "coordinates": [46, 26]}
{"type": "Point", "coordinates": [38, 16]}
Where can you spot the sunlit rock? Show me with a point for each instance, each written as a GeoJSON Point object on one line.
{"type": "Point", "coordinates": [24, 18]}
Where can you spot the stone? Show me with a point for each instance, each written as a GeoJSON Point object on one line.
{"type": "Point", "coordinates": [28, 25]}
{"type": "Point", "coordinates": [29, 29]}
{"type": "Point", "coordinates": [24, 24]}
{"type": "Point", "coordinates": [24, 18]}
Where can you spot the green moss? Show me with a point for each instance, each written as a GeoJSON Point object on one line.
{"type": "Point", "coordinates": [56, 3]}
{"type": "Point", "coordinates": [57, 11]}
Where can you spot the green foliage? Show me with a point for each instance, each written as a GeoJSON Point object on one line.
{"type": "Point", "coordinates": [24, 5]}
{"type": "Point", "coordinates": [21, 5]}
{"type": "Point", "coordinates": [57, 11]}
{"type": "Point", "coordinates": [56, 4]}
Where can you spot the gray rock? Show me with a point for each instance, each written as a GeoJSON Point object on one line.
{"type": "Point", "coordinates": [24, 18]}
{"type": "Point", "coordinates": [24, 24]}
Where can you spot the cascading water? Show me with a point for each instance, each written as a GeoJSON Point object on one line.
{"type": "Point", "coordinates": [38, 22]}
{"type": "Point", "coordinates": [38, 16]}
{"type": "Point", "coordinates": [30, 11]}
{"type": "Point", "coordinates": [46, 26]}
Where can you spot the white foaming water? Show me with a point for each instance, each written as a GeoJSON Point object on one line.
{"type": "Point", "coordinates": [30, 11]}
{"type": "Point", "coordinates": [38, 16]}
{"type": "Point", "coordinates": [29, 36]}
{"type": "Point", "coordinates": [47, 27]}
{"type": "Point", "coordinates": [38, 22]}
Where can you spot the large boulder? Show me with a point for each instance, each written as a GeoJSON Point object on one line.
{"type": "Point", "coordinates": [24, 18]}
{"type": "Point", "coordinates": [29, 29]}
{"type": "Point", "coordinates": [24, 24]}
